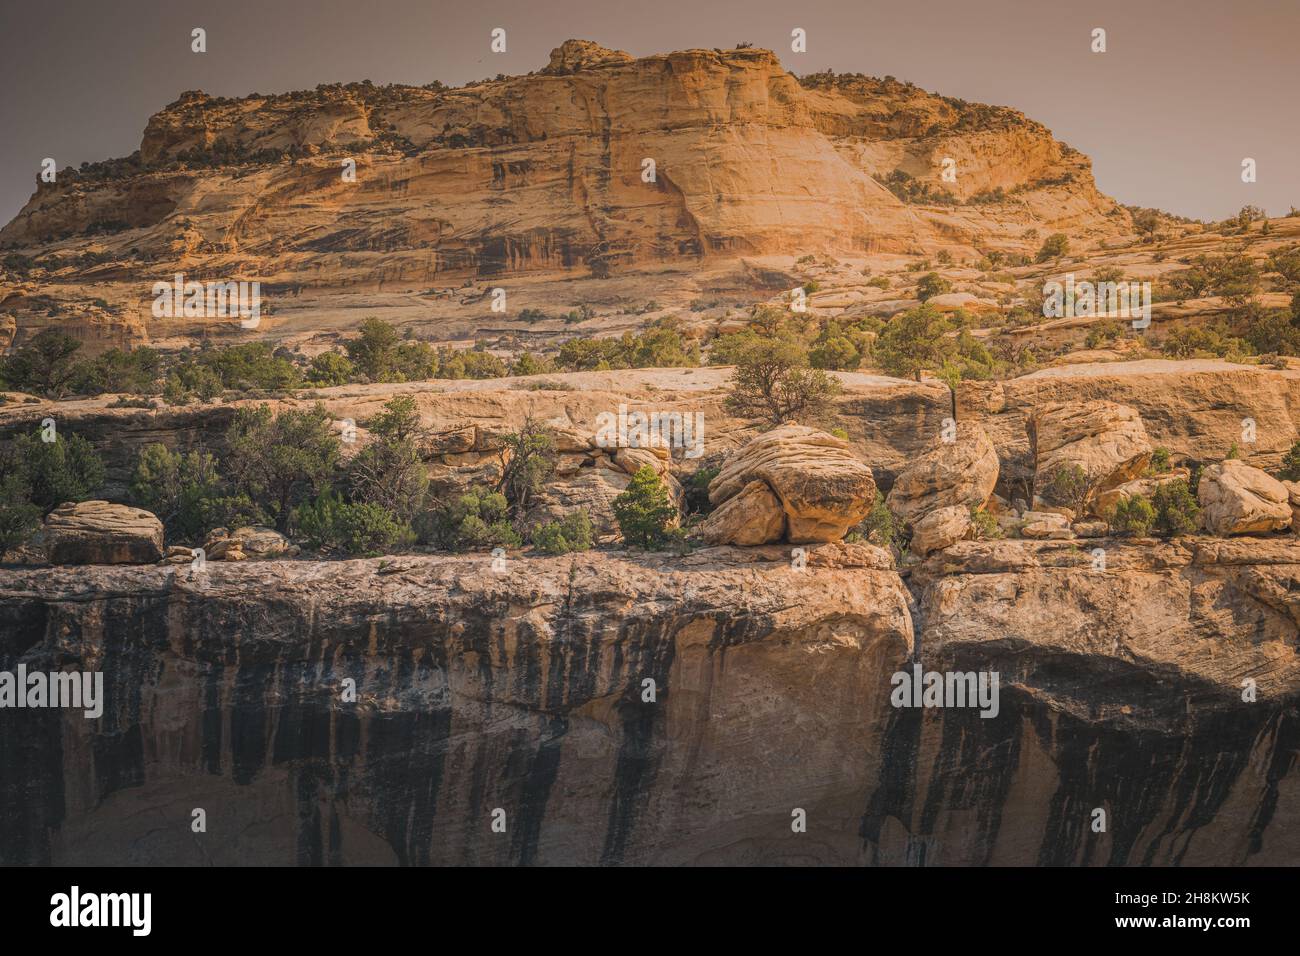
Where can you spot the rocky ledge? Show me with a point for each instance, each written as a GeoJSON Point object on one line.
{"type": "Point", "coordinates": [611, 708]}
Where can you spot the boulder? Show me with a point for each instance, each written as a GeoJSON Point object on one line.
{"type": "Point", "coordinates": [632, 460]}
{"type": "Point", "coordinates": [961, 472]}
{"type": "Point", "coordinates": [570, 440]}
{"type": "Point", "coordinates": [753, 517]}
{"type": "Point", "coordinates": [1107, 500]}
{"type": "Point", "coordinates": [1045, 524]}
{"type": "Point", "coordinates": [178, 554]}
{"type": "Point", "coordinates": [99, 532]}
{"type": "Point", "coordinates": [1293, 495]}
{"type": "Point", "coordinates": [823, 487]}
{"type": "Point", "coordinates": [1239, 499]}
{"type": "Point", "coordinates": [253, 541]}
{"type": "Point", "coordinates": [453, 441]}
{"type": "Point", "coordinates": [940, 529]}
{"type": "Point", "coordinates": [1106, 440]}
{"type": "Point", "coordinates": [1091, 529]}
{"type": "Point", "coordinates": [591, 489]}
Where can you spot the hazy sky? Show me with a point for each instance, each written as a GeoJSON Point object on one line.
{"type": "Point", "coordinates": [1186, 90]}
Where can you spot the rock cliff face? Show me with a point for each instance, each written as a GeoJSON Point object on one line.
{"type": "Point", "coordinates": [546, 170]}
{"type": "Point", "coordinates": [525, 691]}
{"type": "Point", "coordinates": [539, 174]}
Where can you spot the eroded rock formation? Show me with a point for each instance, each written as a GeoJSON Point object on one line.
{"type": "Point", "coordinates": [823, 487]}
{"type": "Point", "coordinates": [526, 691]}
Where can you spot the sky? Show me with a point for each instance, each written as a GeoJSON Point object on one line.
{"type": "Point", "coordinates": [1185, 91]}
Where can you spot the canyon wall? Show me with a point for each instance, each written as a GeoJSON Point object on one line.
{"type": "Point", "coordinates": [525, 691]}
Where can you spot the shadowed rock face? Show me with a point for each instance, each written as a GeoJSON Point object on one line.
{"type": "Point", "coordinates": [524, 691]}
{"type": "Point", "coordinates": [474, 691]}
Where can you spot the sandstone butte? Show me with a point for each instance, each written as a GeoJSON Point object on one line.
{"type": "Point", "coordinates": [1122, 684]}
{"type": "Point", "coordinates": [527, 182]}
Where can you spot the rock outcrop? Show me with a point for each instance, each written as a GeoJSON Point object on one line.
{"type": "Point", "coordinates": [1197, 409]}
{"type": "Point", "coordinates": [1105, 441]}
{"type": "Point", "coordinates": [824, 489]}
{"type": "Point", "coordinates": [889, 421]}
{"type": "Point", "coordinates": [753, 516]}
{"type": "Point", "coordinates": [1238, 499]}
{"type": "Point", "coordinates": [254, 541]}
{"type": "Point", "coordinates": [770, 689]}
{"type": "Point", "coordinates": [99, 532]}
{"type": "Point", "coordinates": [524, 690]}
{"type": "Point", "coordinates": [963, 472]}
{"type": "Point", "coordinates": [940, 529]}
{"type": "Point", "coordinates": [1045, 524]}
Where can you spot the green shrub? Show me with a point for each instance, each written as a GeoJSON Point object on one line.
{"type": "Point", "coordinates": [66, 469]}
{"type": "Point", "coordinates": [1191, 341]}
{"type": "Point", "coordinates": [1068, 485]}
{"type": "Point", "coordinates": [469, 363]}
{"type": "Point", "coordinates": [583, 355]}
{"type": "Point", "coordinates": [252, 367]}
{"type": "Point", "coordinates": [1269, 330]}
{"type": "Point", "coordinates": [390, 470]}
{"type": "Point", "coordinates": [644, 512]}
{"type": "Point", "coordinates": [984, 525]}
{"type": "Point", "coordinates": [45, 365]}
{"type": "Point", "coordinates": [661, 345]}
{"type": "Point", "coordinates": [696, 489]}
{"type": "Point", "coordinates": [1291, 464]}
{"type": "Point", "coordinates": [134, 372]}
{"type": "Point", "coordinates": [233, 511]}
{"type": "Point", "coordinates": [1132, 515]}
{"type": "Point", "coordinates": [773, 380]}
{"type": "Point", "coordinates": [277, 458]}
{"type": "Point", "coordinates": [528, 458]}
{"type": "Point", "coordinates": [417, 362]}
{"type": "Point", "coordinates": [1103, 333]}
{"type": "Point", "coordinates": [329, 369]}
{"type": "Point", "coordinates": [374, 351]}
{"type": "Point", "coordinates": [529, 364]}
{"type": "Point", "coordinates": [357, 528]}
{"type": "Point", "coordinates": [573, 532]}
{"type": "Point", "coordinates": [1159, 463]}
{"type": "Point", "coordinates": [914, 341]}
{"type": "Point", "coordinates": [839, 349]}
{"type": "Point", "coordinates": [1176, 509]}
{"type": "Point", "coordinates": [178, 488]}
{"type": "Point", "coordinates": [880, 526]}
{"type": "Point", "coordinates": [19, 517]}
{"type": "Point", "coordinates": [474, 520]}
{"type": "Point", "coordinates": [190, 380]}
{"type": "Point", "coordinates": [932, 284]}
{"type": "Point", "coordinates": [1054, 247]}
